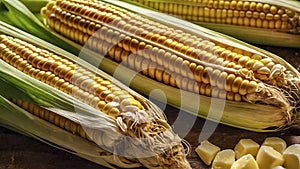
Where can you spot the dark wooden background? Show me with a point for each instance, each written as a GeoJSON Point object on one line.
{"type": "Point", "coordinates": [21, 152]}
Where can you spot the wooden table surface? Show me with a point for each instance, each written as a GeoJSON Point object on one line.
{"type": "Point", "coordinates": [21, 152]}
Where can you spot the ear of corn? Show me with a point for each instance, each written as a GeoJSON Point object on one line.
{"type": "Point", "coordinates": [261, 22]}
{"type": "Point", "coordinates": [54, 87]}
{"type": "Point", "coordinates": [247, 69]}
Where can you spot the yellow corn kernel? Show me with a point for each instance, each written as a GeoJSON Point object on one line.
{"type": "Point", "coordinates": [245, 162]}
{"type": "Point", "coordinates": [246, 146]}
{"type": "Point", "coordinates": [267, 157]}
{"type": "Point", "coordinates": [207, 151]}
{"type": "Point", "coordinates": [291, 156]}
{"type": "Point", "coordinates": [224, 159]}
{"type": "Point", "coordinates": [276, 142]}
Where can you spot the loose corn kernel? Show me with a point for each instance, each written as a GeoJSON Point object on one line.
{"type": "Point", "coordinates": [246, 146]}
{"type": "Point", "coordinates": [224, 159]}
{"type": "Point", "coordinates": [207, 151]}
{"type": "Point", "coordinates": [277, 143]}
{"type": "Point", "coordinates": [245, 162]}
{"type": "Point", "coordinates": [267, 157]}
{"type": "Point", "coordinates": [291, 156]}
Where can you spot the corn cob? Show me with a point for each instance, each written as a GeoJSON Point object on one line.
{"type": "Point", "coordinates": [169, 57]}
{"type": "Point", "coordinates": [232, 16]}
{"type": "Point", "coordinates": [196, 63]}
{"type": "Point", "coordinates": [134, 116]}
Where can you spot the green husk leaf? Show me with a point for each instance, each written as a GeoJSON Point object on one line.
{"type": "Point", "coordinates": [35, 5]}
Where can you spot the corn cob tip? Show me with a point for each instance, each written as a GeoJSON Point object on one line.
{"type": "Point", "coordinates": [270, 95]}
